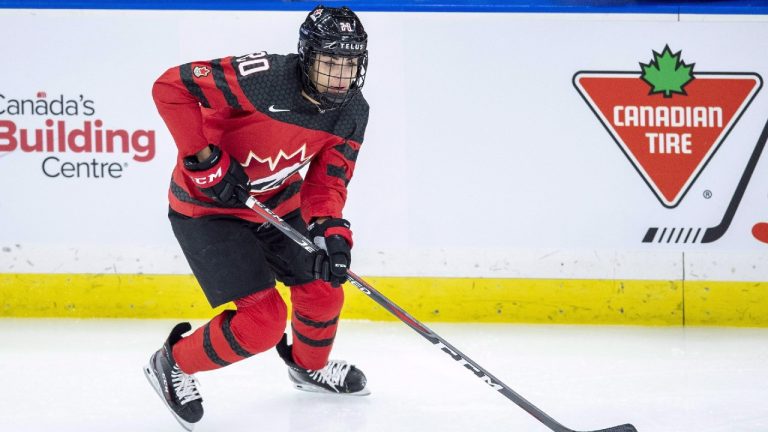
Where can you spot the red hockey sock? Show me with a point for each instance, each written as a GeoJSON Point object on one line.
{"type": "Point", "coordinates": [316, 307]}
{"type": "Point", "coordinates": [256, 326]}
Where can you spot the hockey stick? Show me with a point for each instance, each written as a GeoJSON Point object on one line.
{"type": "Point", "coordinates": [420, 328]}
{"type": "Point", "coordinates": [714, 233]}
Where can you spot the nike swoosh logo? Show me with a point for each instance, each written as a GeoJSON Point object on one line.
{"type": "Point", "coordinates": [273, 109]}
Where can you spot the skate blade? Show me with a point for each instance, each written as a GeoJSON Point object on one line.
{"type": "Point", "coordinates": [153, 381]}
{"type": "Point", "coordinates": [315, 389]}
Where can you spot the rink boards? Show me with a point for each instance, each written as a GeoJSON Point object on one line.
{"type": "Point", "coordinates": [546, 301]}
{"type": "Point", "coordinates": [517, 167]}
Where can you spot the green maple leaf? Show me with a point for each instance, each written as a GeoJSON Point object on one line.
{"type": "Point", "coordinates": [667, 73]}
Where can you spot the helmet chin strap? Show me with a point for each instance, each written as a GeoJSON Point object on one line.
{"type": "Point", "coordinates": [312, 100]}
{"type": "Point", "coordinates": [336, 97]}
{"type": "Point", "coordinates": [319, 105]}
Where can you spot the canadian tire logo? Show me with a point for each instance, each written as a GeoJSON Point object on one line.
{"type": "Point", "coordinates": [669, 120]}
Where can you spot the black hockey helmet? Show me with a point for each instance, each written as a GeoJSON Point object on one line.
{"type": "Point", "coordinates": [333, 53]}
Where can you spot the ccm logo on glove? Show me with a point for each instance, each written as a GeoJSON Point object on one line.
{"type": "Point", "coordinates": [334, 237]}
{"type": "Point", "coordinates": [219, 176]}
{"type": "Point", "coordinates": [208, 178]}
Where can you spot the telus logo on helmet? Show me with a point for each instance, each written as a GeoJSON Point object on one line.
{"type": "Point", "coordinates": [352, 46]}
{"type": "Point", "coordinates": [669, 123]}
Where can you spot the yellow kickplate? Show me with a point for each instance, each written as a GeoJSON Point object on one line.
{"type": "Point", "coordinates": [102, 295]}
{"type": "Point", "coordinates": [743, 304]}
{"type": "Point", "coordinates": [559, 301]}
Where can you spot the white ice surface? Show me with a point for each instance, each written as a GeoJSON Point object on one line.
{"type": "Point", "coordinates": [85, 375]}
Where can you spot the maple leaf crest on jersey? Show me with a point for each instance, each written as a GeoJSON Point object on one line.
{"type": "Point", "coordinates": [281, 168]}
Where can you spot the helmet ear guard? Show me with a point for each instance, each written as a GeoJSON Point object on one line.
{"type": "Point", "coordinates": [333, 56]}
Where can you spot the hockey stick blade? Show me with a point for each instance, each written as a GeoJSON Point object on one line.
{"type": "Point", "coordinates": [622, 428]}
{"type": "Point", "coordinates": [417, 326]}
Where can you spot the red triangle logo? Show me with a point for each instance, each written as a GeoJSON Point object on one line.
{"type": "Point", "coordinates": [669, 140]}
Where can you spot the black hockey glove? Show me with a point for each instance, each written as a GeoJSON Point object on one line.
{"type": "Point", "coordinates": [334, 237]}
{"type": "Point", "coordinates": [218, 177]}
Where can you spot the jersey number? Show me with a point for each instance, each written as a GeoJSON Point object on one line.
{"type": "Point", "coordinates": [253, 63]}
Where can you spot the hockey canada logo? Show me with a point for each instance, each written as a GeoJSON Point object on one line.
{"type": "Point", "coordinates": [669, 122]}
{"type": "Point", "coordinates": [201, 71]}
{"type": "Point", "coordinates": [276, 170]}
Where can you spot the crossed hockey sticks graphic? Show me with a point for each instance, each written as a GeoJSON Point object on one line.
{"type": "Point", "coordinates": [420, 328]}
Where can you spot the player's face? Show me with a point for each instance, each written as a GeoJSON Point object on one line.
{"type": "Point", "coordinates": [333, 74]}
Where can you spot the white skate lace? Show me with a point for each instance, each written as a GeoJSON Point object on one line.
{"type": "Point", "coordinates": [185, 386]}
{"type": "Point", "coordinates": [333, 374]}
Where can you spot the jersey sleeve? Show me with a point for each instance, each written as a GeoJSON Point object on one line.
{"type": "Point", "coordinates": [324, 191]}
{"type": "Point", "coordinates": [182, 91]}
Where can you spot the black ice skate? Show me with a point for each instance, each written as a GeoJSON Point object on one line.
{"type": "Point", "coordinates": [177, 389]}
{"type": "Point", "coordinates": [337, 377]}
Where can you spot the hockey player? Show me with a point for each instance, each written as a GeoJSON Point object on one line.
{"type": "Point", "coordinates": [247, 125]}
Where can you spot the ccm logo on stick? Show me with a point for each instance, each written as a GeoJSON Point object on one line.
{"type": "Point", "coordinates": [461, 360]}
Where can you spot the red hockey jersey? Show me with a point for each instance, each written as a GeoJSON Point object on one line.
{"type": "Point", "coordinates": [252, 108]}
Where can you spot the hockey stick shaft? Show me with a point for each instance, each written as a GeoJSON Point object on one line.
{"type": "Point", "coordinates": [413, 323]}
